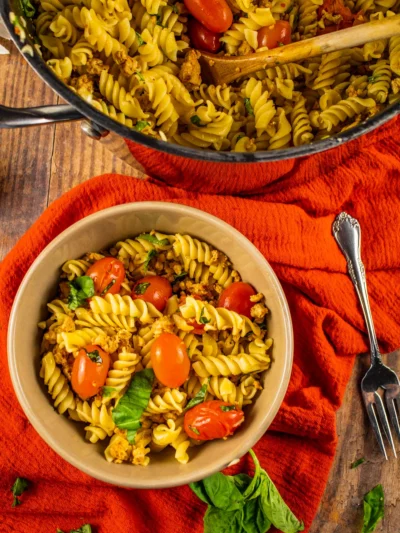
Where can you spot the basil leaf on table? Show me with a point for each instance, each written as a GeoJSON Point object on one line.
{"type": "Point", "coordinates": [374, 508]}
{"type": "Point", "coordinates": [199, 398]}
{"type": "Point", "coordinates": [357, 463]}
{"type": "Point", "coordinates": [253, 519]}
{"type": "Point", "coordinates": [218, 520]}
{"type": "Point", "coordinates": [20, 485]}
{"type": "Point", "coordinates": [219, 491]}
{"type": "Point", "coordinates": [132, 404]}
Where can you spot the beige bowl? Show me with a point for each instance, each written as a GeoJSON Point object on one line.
{"type": "Point", "coordinates": [98, 232]}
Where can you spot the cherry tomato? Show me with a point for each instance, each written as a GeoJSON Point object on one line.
{"type": "Point", "coordinates": [215, 15]}
{"type": "Point", "coordinates": [273, 36]}
{"type": "Point", "coordinates": [170, 360]}
{"type": "Point", "coordinates": [212, 420]}
{"type": "Point", "coordinates": [156, 291]}
{"type": "Point", "coordinates": [108, 274]}
{"type": "Point", "coordinates": [198, 328]}
{"type": "Point", "coordinates": [88, 376]}
{"type": "Point", "coordinates": [337, 7]}
{"type": "Point", "coordinates": [202, 38]}
{"type": "Point", "coordinates": [236, 297]}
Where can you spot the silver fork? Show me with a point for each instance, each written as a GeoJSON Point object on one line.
{"type": "Point", "coordinates": [347, 233]}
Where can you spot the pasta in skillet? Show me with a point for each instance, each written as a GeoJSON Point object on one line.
{"type": "Point", "coordinates": [140, 347]}
{"type": "Point", "coordinates": [135, 61]}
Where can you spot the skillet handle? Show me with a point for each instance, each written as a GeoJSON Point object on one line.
{"type": "Point", "coordinates": [11, 117]}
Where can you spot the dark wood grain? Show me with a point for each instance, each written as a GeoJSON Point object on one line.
{"type": "Point", "coordinates": [39, 164]}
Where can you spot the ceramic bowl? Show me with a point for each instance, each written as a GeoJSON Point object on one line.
{"type": "Point", "coordinates": [97, 232]}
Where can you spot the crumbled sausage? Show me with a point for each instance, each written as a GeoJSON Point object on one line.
{"type": "Point", "coordinates": [190, 73]}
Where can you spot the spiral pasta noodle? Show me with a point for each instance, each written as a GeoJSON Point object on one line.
{"type": "Point", "coordinates": [57, 384]}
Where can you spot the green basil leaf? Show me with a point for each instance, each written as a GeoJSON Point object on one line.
{"type": "Point", "coordinates": [132, 404]}
{"type": "Point", "coordinates": [105, 291]}
{"type": "Point", "coordinates": [195, 430]}
{"type": "Point", "coordinates": [150, 255]}
{"type": "Point", "coordinates": [248, 106]}
{"type": "Point", "coordinates": [86, 528]}
{"type": "Point", "coordinates": [28, 8]}
{"type": "Point", "coordinates": [195, 119]}
{"type": "Point", "coordinates": [226, 408]}
{"type": "Point", "coordinates": [139, 38]}
{"type": "Point", "coordinates": [374, 509]}
{"type": "Point", "coordinates": [180, 277]}
{"type": "Point", "coordinates": [94, 356]}
{"type": "Point", "coordinates": [199, 398]}
{"type": "Point", "coordinates": [372, 79]}
{"type": "Point", "coordinates": [357, 463]}
{"type": "Point", "coordinates": [20, 485]}
{"type": "Point", "coordinates": [252, 519]}
{"type": "Point", "coordinates": [141, 288]}
{"type": "Point", "coordinates": [80, 289]}
{"type": "Point", "coordinates": [141, 124]}
{"type": "Point", "coordinates": [140, 76]}
{"type": "Point", "coordinates": [153, 239]}
{"type": "Point", "coordinates": [175, 9]}
{"type": "Point", "coordinates": [203, 319]}
{"type": "Point", "coordinates": [223, 492]}
{"type": "Point", "coordinates": [106, 392]}
{"type": "Point", "coordinates": [221, 521]}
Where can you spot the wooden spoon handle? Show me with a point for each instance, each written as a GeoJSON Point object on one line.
{"type": "Point", "coordinates": [227, 69]}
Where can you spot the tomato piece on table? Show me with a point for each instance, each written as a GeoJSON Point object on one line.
{"type": "Point", "coordinates": [89, 371]}
{"type": "Point", "coordinates": [202, 38]}
{"type": "Point", "coordinates": [107, 274]}
{"type": "Point", "coordinates": [170, 360]}
{"type": "Point", "coordinates": [236, 298]}
{"type": "Point", "coordinates": [215, 15]}
{"type": "Point", "coordinates": [214, 419]}
{"type": "Point", "coordinates": [153, 289]}
{"type": "Point", "coordinates": [276, 35]}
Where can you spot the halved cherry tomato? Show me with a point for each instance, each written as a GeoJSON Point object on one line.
{"type": "Point", "coordinates": [202, 38]}
{"type": "Point", "coordinates": [108, 274]}
{"type": "Point", "coordinates": [170, 360]}
{"type": "Point", "coordinates": [275, 35]}
{"type": "Point", "coordinates": [212, 420]}
{"type": "Point", "coordinates": [88, 376]}
{"type": "Point", "coordinates": [156, 291]}
{"type": "Point", "coordinates": [216, 15]}
{"type": "Point", "coordinates": [236, 297]}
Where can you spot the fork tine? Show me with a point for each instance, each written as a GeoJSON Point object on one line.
{"type": "Point", "coordinates": [375, 426]}
{"type": "Point", "coordinates": [384, 421]}
{"type": "Point", "coordinates": [391, 407]}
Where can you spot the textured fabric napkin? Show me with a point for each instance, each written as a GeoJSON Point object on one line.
{"type": "Point", "coordinates": [290, 222]}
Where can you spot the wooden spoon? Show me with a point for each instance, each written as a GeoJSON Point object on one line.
{"type": "Point", "coordinates": [219, 69]}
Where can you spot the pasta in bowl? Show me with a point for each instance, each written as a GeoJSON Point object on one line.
{"type": "Point", "coordinates": [142, 344]}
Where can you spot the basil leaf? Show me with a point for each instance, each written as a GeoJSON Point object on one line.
{"type": "Point", "coordinates": [195, 430]}
{"type": "Point", "coordinates": [203, 319]}
{"type": "Point", "coordinates": [222, 492]}
{"type": "Point", "coordinates": [180, 277]}
{"type": "Point", "coordinates": [141, 288]}
{"type": "Point", "coordinates": [372, 79]}
{"type": "Point", "coordinates": [105, 291]}
{"type": "Point", "coordinates": [86, 528]}
{"type": "Point", "coordinates": [226, 408]}
{"type": "Point", "coordinates": [141, 78]}
{"type": "Point", "coordinates": [357, 463]}
{"type": "Point", "coordinates": [94, 356]}
{"type": "Point", "coordinates": [153, 239]}
{"type": "Point", "coordinates": [141, 124]}
{"type": "Point", "coordinates": [248, 106]}
{"type": "Point", "coordinates": [20, 485]}
{"type": "Point", "coordinates": [220, 521]}
{"type": "Point", "coordinates": [80, 289]}
{"type": "Point", "coordinates": [28, 8]}
{"type": "Point", "coordinates": [106, 392]}
{"type": "Point", "coordinates": [150, 255]}
{"type": "Point", "coordinates": [132, 404]}
{"type": "Point", "coordinates": [199, 398]}
{"type": "Point", "coordinates": [139, 38]}
{"type": "Point", "coordinates": [195, 119]}
{"type": "Point", "coordinates": [252, 519]}
{"type": "Point", "coordinates": [374, 508]}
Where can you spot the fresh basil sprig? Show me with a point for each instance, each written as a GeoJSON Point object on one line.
{"type": "Point", "coordinates": [20, 485]}
{"type": "Point", "coordinates": [153, 239]}
{"type": "Point", "coordinates": [199, 398]}
{"type": "Point", "coordinates": [241, 504]}
{"type": "Point", "coordinates": [374, 508]}
{"type": "Point", "coordinates": [80, 289]}
{"type": "Point", "coordinates": [132, 404]}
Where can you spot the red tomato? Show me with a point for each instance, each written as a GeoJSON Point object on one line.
{"type": "Point", "coordinates": [209, 421]}
{"type": "Point", "coordinates": [170, 360]}
{"type": "Point", "coordinates": [337, 7]}
{"type": "Point", "coordinates": [273, 36]}
{"type": "Point", "coordinates": [198, 328]}
{"type": "Point", "coordinates": [202, 38]}
{"type": "Point", "coordinates": [156, 292]}
{"type": "Point", "coordinates": [215, 15]}
{"type": "Point", "coordinates": [236, 297]}
{"type": "Point", "coordinates": [88, 376]}
{"type": "Point", "coordinates": [108, 274]}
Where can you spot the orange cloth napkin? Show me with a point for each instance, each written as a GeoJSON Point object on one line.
{"type": "Point", "coordinates": [291, 224]}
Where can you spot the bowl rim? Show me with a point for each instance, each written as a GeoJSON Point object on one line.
{"type": "Point", "coordinates": [26, 403]}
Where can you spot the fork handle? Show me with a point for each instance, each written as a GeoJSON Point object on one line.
{"type": "Point", "coordinates": [347, 233]}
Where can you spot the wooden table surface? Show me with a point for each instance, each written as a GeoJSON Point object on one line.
{"type": "Point", "coordinates": [39, 164]}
